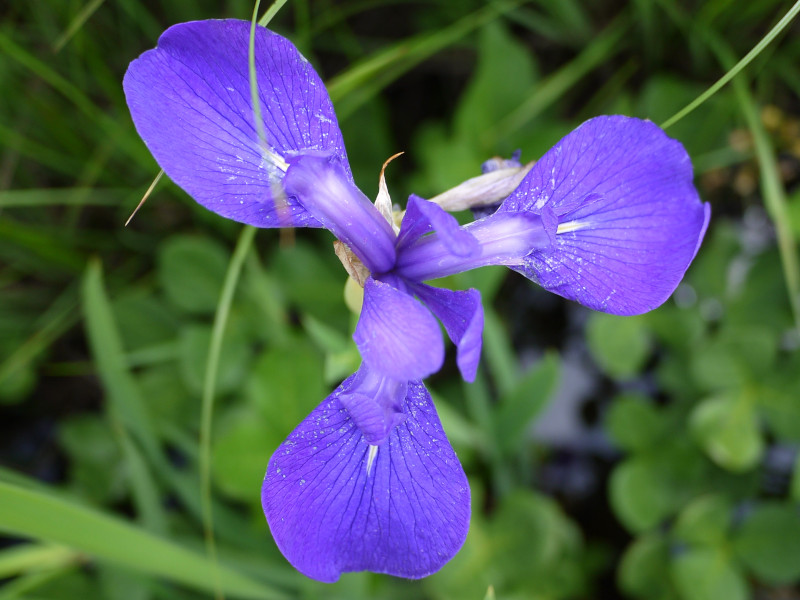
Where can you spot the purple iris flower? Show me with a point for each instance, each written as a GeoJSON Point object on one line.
{"type": "Point", "coordinates": [609, 217]}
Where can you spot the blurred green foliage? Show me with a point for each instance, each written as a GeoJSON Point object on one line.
{"type": "Point", "coordinates": [105, 330]}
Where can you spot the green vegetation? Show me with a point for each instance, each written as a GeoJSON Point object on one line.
{"type": "Point", "coordinates": [147, 372]}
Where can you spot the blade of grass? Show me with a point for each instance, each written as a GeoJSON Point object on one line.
{"type": "Point", "coordinates": [81, 18]}
{"type": "Point", "coordinates": [500, 356]}
{"type": "Point", "coordinates": [555, 85]}
{"type": "Point", "coordinates": [774, 196]}
{"type": "Point", "coordinates": [39, 516]}
{"type": "Point", "coordinates": [126, 407]}
{"type": "Point", "coordinates": [146, 195]}
{"type": "Point", "coordinates": [210, 382]}
{"type": "Point", "coordinates": [57, 319]}
{"type": "Point", "coordinates": [83, 196]}
{"type": "Point", "coordinates": [34, 557]}
{"type": "Point", "coordinates": [111, 126]}
{"type": "Point", "coordinates": [771, 186]}
{"type": "Point", "coordinates": [271, 12]}
{"type": "Point", "coordinates": [23, 585]}
{"type": "Point", "coordinates": [737, 68]}
{"type": "Point", "coordinates": [354, 87]}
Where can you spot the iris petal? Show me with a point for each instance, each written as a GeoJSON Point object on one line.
{"type": "Point", "coordinates": [397, 336]}
{"type": "Point", "coordinates": [424, 217]}
{"type": "Point", "coordinates": [407, 516]}
{"type": "Point", "coordinates": [629, 218]}
{"type": "Point", "coordinates": [190, 101]}
{"type": "Point", "coordinates": [461, 313]}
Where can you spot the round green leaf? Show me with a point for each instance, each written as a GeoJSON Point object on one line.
{"type": "Point", "coordinates": [633, 422]}
{"type": "Point", "coordinates": [640, 496]}
{"type": "Point", "coordinates": [620, 345]}
{"type": "Point", "coordinates": [193, 354]}
{"type": "Point", "coordinates": [727, 428]}
{"type": "Point", "coordinates": [191, 271]}
{"type": "Point", "coordinates": [705, 520]}
{"type": "Point", "coordinates": [706, 574]}
{"type": "Point", "coordinates": [240, 455]}
{"type": "Point", "coordinates": [644, 569]}
{"type": "Point", "coordinates": [769, 543]}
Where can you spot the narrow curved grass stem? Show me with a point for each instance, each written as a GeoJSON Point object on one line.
{"type": "Point", "coordinates": [243, 246]}
{"type": "Point", "coordinates": [737, 68]}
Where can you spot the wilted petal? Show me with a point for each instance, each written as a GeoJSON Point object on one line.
{"type": "Point", "coordinates": [191, 104]}
{"type": "Point", "coordinates": [396, 335]}
{"type": "Point", "coordinates": [407, 516]}
{"type": "Point", "coordinates": [629, 218]}
{"type": "Point", "coordinates": [461, 313]}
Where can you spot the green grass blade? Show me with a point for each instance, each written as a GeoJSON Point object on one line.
{"type": "Point", "coordinates": [33, 557]}
{"type": "Point", "coordinates": [774, 196]}
{"type": "Point", "coordinates": [209, 384]}
{"type": "Point", "coordinates": [56, 320]}
{"type": "Point", "coordinates": [555, 86]}
{"type": "Point", "coordinates": [361, 82]}
{"type": "Point", "coordinates": [39, 516]}
{"type": "Point", "coordinates": [125, 404]}
{"type": "Point", "coordinates": [81, 18]}
{"type": "Point", "coordinates": [271, 12]}
{"type": "Point", "coordinates": [63, 197]}
{"type": "Point", "coordinates": [736, 69]}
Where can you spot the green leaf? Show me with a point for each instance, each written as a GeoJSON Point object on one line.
{"type": "Point", "coordinates": [22, 558]}
{"type": "Point", "coordinates": [794, 491]}
{"type": "Point", "coordinates": [143, 319]}
{"type": "Point", "coordinates": [36, 515]}
{"type": "Point", "coordinates": [240, 453]}
{"type": "Point", "coordinates": [705, 574]}
{"type": "Point", "coordinates": [640, 496]}
{"type": "Point", "coordinates": [503, 79]}
{"type": "Point", "coordinates": [95, 467]}
{"type": "Point", "coordinates": [633, 422]}
{"type": "Point", "coordinates": [520, 407]}
{"type": "Point", "coordinates": [620, 345]}
{"type": "Point", "coordinates": [705, 521]}
{"type": "Point", "coordinates": [768, 543]}
{"type": "Point", "coordinates": [191, 271]}
{"type": "Point", "coordinates": [125, 405]}
{"type": "Point", "coordinates": [233, 361]}
{"type": "Point", "coordinates": [644, 569]}
{"type": "Point", "coordinates": [727, 428]}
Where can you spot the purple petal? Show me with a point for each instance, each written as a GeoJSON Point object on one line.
{"type": "Point", "coordinates": [503, 238]}
{"type": "Point", "coordinates": [191, 104]}
{"type": "Point", "coordinates": [461, 313]}
{"type": "Point", "coordinates": [397, 336]}
{"type": "Point", "coordinates": [326, 191]}
{"type": "Point", "coordinates": [629, 218]}
{"type": "Point", "coordinates": [406, 517]}
{"type": "Point", "coordinates": [375, 403]}
{"type": "Point", "coordinates": [423, 217]}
